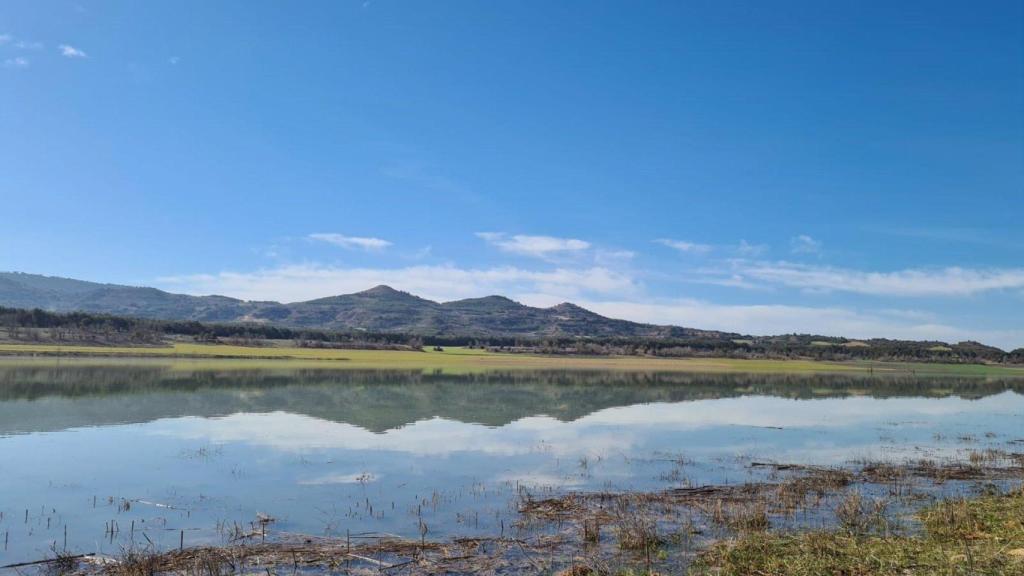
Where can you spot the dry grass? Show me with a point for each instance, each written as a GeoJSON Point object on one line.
{"type": "Point", "coordinates": [636, 528]}
{"type": "Point", "coordinates": [392, 556]}
{"type": "Point", "coordinates": [980, 465]}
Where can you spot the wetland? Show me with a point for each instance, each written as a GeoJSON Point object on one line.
{"type": "Point", "coordinates": [180, 467]}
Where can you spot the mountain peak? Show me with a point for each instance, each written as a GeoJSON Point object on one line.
{"type": "Point", "coordinates": [485, 303]}
{"type": "Point", "coordinates": [380, 290]}
{"type": "Point", "coordinates": [494, 298]}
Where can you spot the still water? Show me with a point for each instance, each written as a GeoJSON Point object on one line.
{"type": "Point", "coordinates": [103, 457]}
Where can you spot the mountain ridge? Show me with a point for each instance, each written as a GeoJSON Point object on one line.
{"type": "Point", "coordinates": [377, 309]}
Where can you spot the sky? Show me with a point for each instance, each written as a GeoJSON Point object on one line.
{"type": "Point", "coordinates": [839, 168]}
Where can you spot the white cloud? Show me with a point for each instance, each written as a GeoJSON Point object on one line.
{"type": "Point", "coordinates": [306, 282]}
{"type": "Point", "coordinates": [951, 281]}
{"type": "Point", "coordinates": [351, 242]}
{"type": "Point", "coordinates": [173, 60]}
{"type": "Point", "coordinates": [804, 244]}
{"type": "Point", "coordinates": [71, 52]}
{"type": "Point", "coordinates": [16, 63]}
{"type": "Point", "coordinates": [684, 246]}
{"type": "Point", "coordinates": [5, 38]}
{"type": "Point", "coordinates": [534, 246]}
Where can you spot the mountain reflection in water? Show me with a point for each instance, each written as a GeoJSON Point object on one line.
{"type": "Point", "coordinates": [37, 399]}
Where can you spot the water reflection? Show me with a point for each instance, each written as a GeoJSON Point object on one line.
{"type": "Point", "coordinates": [330, 451]}
{"type": "Point", "coordinates": [34, 399]}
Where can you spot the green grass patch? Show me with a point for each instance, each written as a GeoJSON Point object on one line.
{"type": "Point", "coordinates": [455, 359]}
{"type": "Point", "coordinates": [983, 536]}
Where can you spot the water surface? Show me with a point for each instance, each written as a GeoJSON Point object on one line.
{"type": "Point", "coordinates": [146, 453]}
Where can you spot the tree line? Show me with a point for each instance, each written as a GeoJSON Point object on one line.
{"type": "Point", "coordinates": [82, 327]}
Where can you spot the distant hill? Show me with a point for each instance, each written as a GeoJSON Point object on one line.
{"type": "Point", "coordinates": [382, 317]}
{"type": "Point", "coordinates": [379, 309]}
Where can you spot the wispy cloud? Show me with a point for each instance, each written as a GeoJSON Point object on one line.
{"type": "Point", "coordinates": [613, 257]}
{"type": "Point", "coordinates": [804, 244]}
{"type": "Point", "coordinates": [350, 242]}
{"type": "Point", "coordinates": [748, 250]}
{"type": "Point", "coordinates": [744, 248]}
{"type": "Point", "coordinates": [69, 51]}
{"type": "Point", "coordinates": [685, 246]}
{"type": "Point", "coordinates": [953, 281]}
{"type": "Point", "coordinates": [173, 60]}
{"type": "Point", "coordinates": [9, 39]}
{"type": "Point", "coordinates": [16, 63]}
{"type": "Point", "coordinates": [534, 246]}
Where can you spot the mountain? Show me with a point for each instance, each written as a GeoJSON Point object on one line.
{"type": "Point", "coordinates": [19, 290]}
{"type": "Point", "coordinates": [379, 309]}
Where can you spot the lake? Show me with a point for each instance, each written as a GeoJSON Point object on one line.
{"type": "Point", "coordinates": [104, 456]}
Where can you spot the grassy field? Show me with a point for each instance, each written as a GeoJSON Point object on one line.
{"type": "Point", "coordinates": [461, 360]}
{"type": "Point", "coordinates": [960, 537]}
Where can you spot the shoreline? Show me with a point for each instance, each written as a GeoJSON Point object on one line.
{"type": "Point", "coordinates": [463, 360]}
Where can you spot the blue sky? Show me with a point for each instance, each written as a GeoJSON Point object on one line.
{"type": "Point", "coordinates": [847, 168]}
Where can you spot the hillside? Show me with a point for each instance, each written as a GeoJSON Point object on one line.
{"type": "Point", "coordinates": [381, 309]}
{"type": "Point", "coordinates": [385, 317]}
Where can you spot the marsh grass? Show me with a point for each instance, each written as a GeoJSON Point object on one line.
{"type": "Point", "coordinates": [613, 534]}
{"type": "Point", "coordinates": [982, 536]}
{"type": "Point", "coordinates": [331, 556]}
{"type": "Point", "coordinates": [731, 516]}
{"type": "Point", "coordinates": [63, 562]}
{"type": "Point", "coordinates": [859, 515]}
{"type": "Point", "coordinates": [636, 528]}
{"type": "Point", "coordinates": [866, 505]}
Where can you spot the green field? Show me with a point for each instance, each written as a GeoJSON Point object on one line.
{"type": "Point", "coordinates": [459, 360]}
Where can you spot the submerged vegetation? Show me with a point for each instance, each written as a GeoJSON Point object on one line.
{"type": "Point", "coordinates": [731, 530]}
